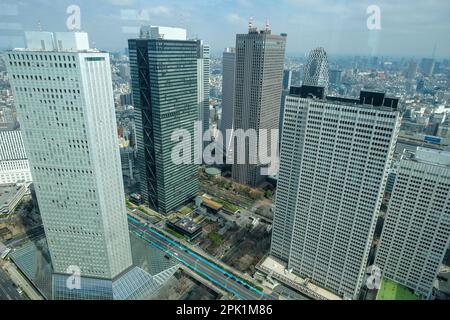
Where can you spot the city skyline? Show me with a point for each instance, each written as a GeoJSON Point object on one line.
{"type": "Point", "coordinates": [324, 176]}
{"type": "Point", "coordinates": [337, 25]}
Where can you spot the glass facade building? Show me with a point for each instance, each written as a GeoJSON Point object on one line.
{"type": "Point", "coordinates": [164, 84]}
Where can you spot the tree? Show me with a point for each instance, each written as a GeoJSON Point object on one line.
{"type": "Point", "coordinates": [268, 194]}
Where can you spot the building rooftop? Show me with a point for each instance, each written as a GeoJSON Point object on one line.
{"type": "Point", "coordinates": [391, 290]}
{"type": "Point", "coordinates": [212, 204]}
{"type": "Point", "coordinates": [279, 270]}
{"type": "Point", "coordinates": [187, 225]}
{"type": "Point", "coordinates": [56, 42]}
{"type": "Point", "coordinates": [163, 33]}
{"type": "Point", "coordinates": [438, 157]}
{"type": "Point", "coordinates": [8, 193]}
{"type": "Point", "coordinates": [366, 98]}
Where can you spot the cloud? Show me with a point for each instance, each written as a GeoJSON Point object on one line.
{"type": "Point", "coordinates": [234, 18]}
{"type": "Point", "coordinates": [122, 3]}
{"type": "Point", "coordinates": [245, 3]}
{"type": "Point", "coordinates": [159, 11]}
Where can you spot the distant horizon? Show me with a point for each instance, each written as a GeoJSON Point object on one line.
{"type": "Point", "coordinates": [405, 28]}
{"type": "Point", "coordinates": [217, 53]}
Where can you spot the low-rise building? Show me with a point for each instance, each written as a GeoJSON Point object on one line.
{"type": "Point", "coordinates": [10, 196]}
{"type": "Point", "coordinates": [186, 226]}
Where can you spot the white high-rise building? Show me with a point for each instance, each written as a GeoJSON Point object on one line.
{"type": "Point", "coordinates": [334, 160]}
{"type": "Point", "coordinates": [229, 65]}
{"type": "Point", "coordinates": [64, 100]}
{"type": "Point", "coordinates": [14, 167]}
{"type": "Point", "coordinates": [416, 232]}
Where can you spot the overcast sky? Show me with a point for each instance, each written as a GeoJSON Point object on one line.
{"type": "Point", "coordinates": [408, 27]}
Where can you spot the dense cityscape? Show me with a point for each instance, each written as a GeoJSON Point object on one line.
{"type": "Point", "coordinates": [121, 176]}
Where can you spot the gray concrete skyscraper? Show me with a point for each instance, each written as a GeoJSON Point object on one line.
{"type": "Point", "coordinates": [165, 94]}
{"type": "Point", "coordinates": [229, 65]}
{"type": "Point", "coordinates": [334, 159]}
{"type": "Point", "coordinates": [258, 86]}
{"type": "Point", "coordinates": [316, 69]}
{"type": "Point", "coordinates": [203, 56]}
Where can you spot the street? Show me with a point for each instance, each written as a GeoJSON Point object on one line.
{"type": "Point", "coordinates": [214, 273]}
{"type": "Point", "coordinates": [200, 265]}
{"type": "Point", "coordinates": [7, 289]}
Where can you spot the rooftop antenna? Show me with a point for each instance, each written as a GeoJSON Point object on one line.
{"type": "Point", "coordinates": [39, 24]}
{"type": "Point", "coordinates": [267, 25]}
{"type": "Point", "coordinates": [250, 23]}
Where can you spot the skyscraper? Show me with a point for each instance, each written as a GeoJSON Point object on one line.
{"type": "Point", "coordinates": [335, 77]}
{"type": "Point", "coordinates": [316, 69]}
{"type": "Point", "coordinates": [229, 64]}
{"type": "Point", "coordinates": [165, 94]}
{"type": "Point", "coordinates": [64, 99]}
{"type": "Point", "coordinates": [335, 155]}
{"type": "Point", "coordinates": [287, 79]}
{"type": "Point", "coordinates": [416, 233]}
{"type": "Point", "coordinates": [412, 70]}
{"type": "Point", "coordinates": [203, 83]}
{"type": "Point", "coordinates": [258, 84]}
{"type": "Point", "coordinates": [427, 66]}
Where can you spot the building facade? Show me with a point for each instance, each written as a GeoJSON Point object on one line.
{"type": "Point", "coordinates": [334, 159]}
{"type": "Point", "coordinates": [165, 95]}
{"type": "Point", "coordinates": [64, 100]}
{"type": "Point", "coordinates": [14, 166]}
{"type": "Point", "coordinates": [416, 232]}
{"type": "Point", "coordinates": [287, 79]}
{"type": "Point", "coordinates": [316, 69]}
{"type": "Point", "coordinates": [203, 68]}
{"type": "Point", "coordinates": [229, 65]}
{"type": "Point", "coordinates": [258, 86]}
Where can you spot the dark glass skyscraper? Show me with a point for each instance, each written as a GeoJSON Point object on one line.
{"type": "Point", "coordinates": [164, 83]}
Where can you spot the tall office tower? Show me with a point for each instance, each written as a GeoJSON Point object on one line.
{"type": "Point", "coordinates": [412, 70]}
{"type": "Point", "coordinates": [287, 79]}
{"type": "Point", "coordinates": [258, 84]}
{"type": "Point", "coordinates": [164, 85]}
{"type": "Point", "coordinates": [229, 64]}
{"type": "Point", "coordinates": [416, 233]}
{"type": "Point", "coordinates": [316, 69]}
{"type": "Point", "coordinates": [203, 84]}
{"type": "Point", "coordinates": [64, 99]}
{"type": "Point", "coordinates": [427, 67]}
{"type": "Point", "coordinates": [14, 167]}
{"type": "Point", "coordinates": [334, 161]}
{"type": "Point", "coordinates": [335, 77]}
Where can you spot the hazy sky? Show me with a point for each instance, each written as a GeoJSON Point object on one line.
{"type": "Point", "coordinates": [408, 27]}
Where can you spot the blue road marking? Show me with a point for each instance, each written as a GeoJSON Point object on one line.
{"type": "Point", "coordinates": [198, 257]}
{"type": "Point", "coordinates": [188, 264]}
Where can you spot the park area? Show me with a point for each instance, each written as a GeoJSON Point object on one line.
{"type": "Point", "coordinates": [391, 290]}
